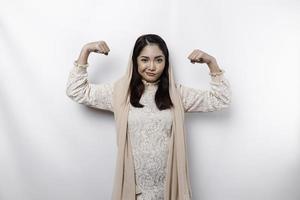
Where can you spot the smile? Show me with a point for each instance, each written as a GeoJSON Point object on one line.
{"type": "Point", "coordinates": [150, 74]}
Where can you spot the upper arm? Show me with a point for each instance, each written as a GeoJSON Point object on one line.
{"type": "Point", "coordinates": [198, 100]}
{"type": "Point", "coordinates": [99, 96]}
{"type": "Point", "coordinates": [79, 89]}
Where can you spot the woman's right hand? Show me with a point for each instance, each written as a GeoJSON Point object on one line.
{"type": "Point", "coordinates": [97, 47]}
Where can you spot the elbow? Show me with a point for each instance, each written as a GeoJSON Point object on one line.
{"type": "Point", "coordinates": [222, 104]}
{"type": "Point", "coordinates": [68, 92]}
{"type": "Point", "coordinates": [226, 99]}
{"type": "Point", "coordinates": [77, 96]}
{"type": "Point", "coordinates": [226, 103]}
{"type": "Point", "coordinates": [72, 94]}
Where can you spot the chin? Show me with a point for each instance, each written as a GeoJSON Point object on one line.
{"type": "Point", "coordinates": [149, 78]}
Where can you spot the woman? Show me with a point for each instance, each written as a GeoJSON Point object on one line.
{"type": "Point", "coordinates": [149, 108]}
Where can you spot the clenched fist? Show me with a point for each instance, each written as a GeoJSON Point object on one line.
{"type": "Point", "coordinates": [97, 47]}
{"type": "Point", "coordinates": [200, 57]}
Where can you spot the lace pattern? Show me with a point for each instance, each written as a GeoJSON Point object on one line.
{"type": "Point", "coordinates": [198, 100]}
{"type": "Point", "coordinates": [149, 127]}
{"type": "Point", "coordinates": [93, 95]}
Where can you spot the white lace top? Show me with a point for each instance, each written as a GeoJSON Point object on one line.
{"type": "Point", "coordinates": [149, 127]}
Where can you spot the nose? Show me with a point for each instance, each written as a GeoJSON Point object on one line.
{"type": "Point", "coordinates": [152, 66]}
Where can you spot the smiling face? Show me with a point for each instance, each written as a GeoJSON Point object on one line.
{"type": "Point", "coordinates": [151, 63]}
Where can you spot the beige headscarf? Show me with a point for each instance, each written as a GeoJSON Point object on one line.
{"type": "Point", "coordinates": [177, 185]}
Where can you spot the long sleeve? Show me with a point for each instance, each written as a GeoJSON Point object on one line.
{"type": "Point", "coordinates": [197, 100]}
{"type": "Point", "coordinates": [93, 95]}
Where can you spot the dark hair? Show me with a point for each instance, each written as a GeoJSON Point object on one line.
{"type": "Point", "coordinates": [137, 87]}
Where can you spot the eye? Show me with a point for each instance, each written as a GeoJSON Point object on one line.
{"type": "Point", "coordinates": [160, 60]}
{"type": "Point", "coordinates": [143, 60]}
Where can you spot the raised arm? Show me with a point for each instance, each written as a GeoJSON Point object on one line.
{"type": "Point", "coordinates": [216, 98]}
{"type": "Point", "coordinates": [78, 87]}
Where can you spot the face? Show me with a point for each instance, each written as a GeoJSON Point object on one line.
{"type": "Point", "coordinates": [151, 63]}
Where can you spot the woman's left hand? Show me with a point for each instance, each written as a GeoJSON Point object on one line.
{"type": "Point", "coordinates": [198, 56]}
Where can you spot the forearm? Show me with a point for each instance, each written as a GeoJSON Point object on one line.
{"type": "Point", "coordinates": [213, 66]}
{"type": "Point", "coordinates": [83, 56]}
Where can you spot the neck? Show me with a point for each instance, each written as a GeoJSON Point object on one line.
{"type": "Point", "coordinates": [148, 83]}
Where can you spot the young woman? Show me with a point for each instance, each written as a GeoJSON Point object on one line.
{"type": "Point", "coordinates": [149, 108]}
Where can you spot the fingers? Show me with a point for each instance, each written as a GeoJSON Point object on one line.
{"type": "Point", "coordinates": [102, 47]}
{"type": "Point", "coordinates": [196, 56]}
{"type": "Point", "coordinates": [193, 56]}
{"type": "Point", "coordinates": [105, 48]}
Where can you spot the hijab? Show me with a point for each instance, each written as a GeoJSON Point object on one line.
{"type": "Point", "coordinates": [177, 184]}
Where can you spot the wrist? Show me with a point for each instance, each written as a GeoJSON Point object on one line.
{"type": "Point", "coordinates": [83, 57]}
{"type": "Point", "coordinates": [85, 50]}
{"type": "Point", "coordinates": [213, 66]}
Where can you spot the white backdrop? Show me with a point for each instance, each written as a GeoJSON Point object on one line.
{"type": "Point", "coordinates": [52, 148]}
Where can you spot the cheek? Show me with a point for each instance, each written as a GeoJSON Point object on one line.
{"type": "Point", "coordinates": [141, 68]}
{"type": "Point", "coordinates": [161, 69]}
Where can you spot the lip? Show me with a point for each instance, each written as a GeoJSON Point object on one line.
{"type": "Point", "coordinates": [150, 74]}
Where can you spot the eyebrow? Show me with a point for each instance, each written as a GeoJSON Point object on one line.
{"type": "Point", "coordinates": [155, 57]}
